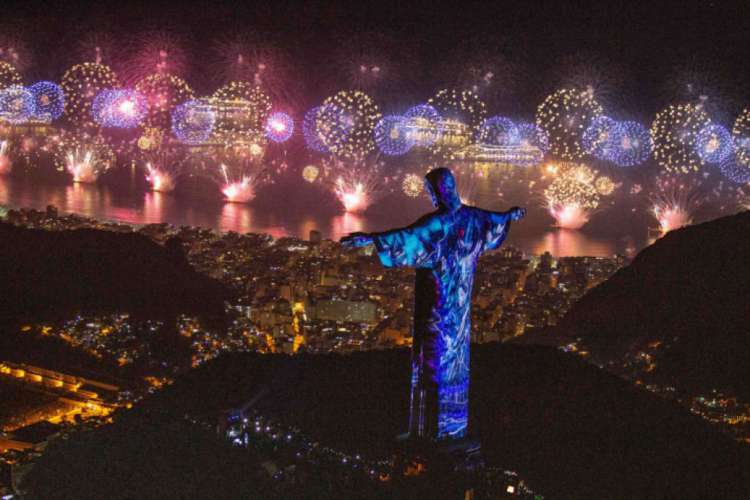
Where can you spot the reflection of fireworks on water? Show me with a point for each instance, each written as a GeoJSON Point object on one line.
{"type": "Point", "coordinates": [357, 183]}
{"type": "Point", "coordinates": [163, 92]}
{"type": "Point", "coordinates": [5, 162]}
{"type": "Point", "coordinates": [564, 116]}
{"type": "Point", "coordinates": [84, 156]}
{"type": "Point", "coordinates": [310, 173]}
{"type": "Point", "coordinates": [81, 84]}
{"type": "Point", "coordinates": [674, 200]}
{"type": "Point", "coordinates": [674, 132]}
{"type": "Point", "coordinates": [412, 185]}
{"type": "Point", "coordinates": [571, 197]}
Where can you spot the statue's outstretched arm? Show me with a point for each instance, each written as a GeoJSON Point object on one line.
{"type": "Point", "coordinates": [416, 245]}
{"type": "Point", "coordinates": [497, 226]}
{"type": "Point", "coordinates": [358, 239]}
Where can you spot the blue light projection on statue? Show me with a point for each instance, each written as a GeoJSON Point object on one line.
{"type": "Point", "coordinates": [444, 247]}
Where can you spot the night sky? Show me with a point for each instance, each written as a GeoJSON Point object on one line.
{"type": "Point", "coordinates": [644, 52]}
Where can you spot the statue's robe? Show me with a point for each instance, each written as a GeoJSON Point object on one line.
{"type": "Point", "coordinates": [443, 247]}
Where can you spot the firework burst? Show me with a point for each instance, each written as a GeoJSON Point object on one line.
{"type": "Point", "coordinates": [357, 183]}
{"type": "Point", "coordinates": [572, 197]}
{"type": "Point", "coordinates": [17, 104]}
{"type": "Point", "coordinates": [422, 123]}
{"type": "Point", "coordinates": [564, 116]}
{"type": "Point", "coordinates": [239, 170]}
{"type": "Point", "coordinates": [156, 52]}
{"type": "Point", "coordinates": [13, 50]}
{"type": "Point", "coordinates": [392, 135]}
{"type": "Point", "coordinates": [84, 156]}
{"type": "Point", "coordinates": [245, 58]}
{"type": "Point", "coordinates": [81, 84]}
{"type": "Point", "coordinates": [593, 73]}
{"type": "Point", "coordinates": [714, 143]}
{"type": "Point", "coordinates": [49, 100]}
{"type": "Point", "coordinates": [741, 137]}
{"type": "Point", "coordinates": [163, 162]}
{"type": "Point", "coordinates": [365, 62]}
{"type": "Point", "coordinates": [674, 199]}
{"type": "Point", "coordinates": [310, 173]}
{"type": "Point", "coordinates": [412, 185]}
{"type": "Point", "coordinates": [675, 132]}
{"type": "Point", "coordinates": [462, 113]}
{"type": "Point", "coordinates": [596, 139]}
{"type": "Point", "coordinates": [9, 75]}
{"type": "Point", "coordinates": [345, 124]}
{"type": "Point", "coordinates": [247, 109]}
{"type": "Point", "coordinates": [163, 92]}
{"type": "Point", "coordinates": [631, 144]}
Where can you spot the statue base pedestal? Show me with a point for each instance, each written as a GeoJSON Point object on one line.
{"type": "Point", "coordinates": [456, 463]}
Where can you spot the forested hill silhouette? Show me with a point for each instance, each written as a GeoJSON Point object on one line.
{"type": "Point", "coordinates": [690, 290]}
{"type": "Point", "coordinates": [571, 429]}
{"type": "Point", "coordinates": [47, 275]}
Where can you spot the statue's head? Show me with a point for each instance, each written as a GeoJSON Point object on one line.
{"type": "Point", "coordinates": [441, 185]}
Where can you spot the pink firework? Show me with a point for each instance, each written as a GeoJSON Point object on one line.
{"type": "Point", "coordinates": [357, 183]}
{"type": "Point", "coordinates": [156, 52]}
{"type": "Point", "coordinates": [240, 171]}
{"type": "Point", "coordinates": [569, 216]}
{"type": "Point", "coordinates": [674, 200]}
{"type": "Point", "coordinates": [13, 50]}
{"type": "Point", "coordinates": [240, 183]}
{"type": "Point", "coordinates": [571, 198]}
{"type": "Point", "coordinates": [163, 167]}
{"type": "Point", "coordinates": [160, 180]}
{"type": "Point", "coordinates": [245, 58]}
{"type": "Point", "coordinates": [98, 47]}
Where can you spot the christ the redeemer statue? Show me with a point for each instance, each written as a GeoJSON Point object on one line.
{"type": "Point", "coordinates": [444, 247]}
